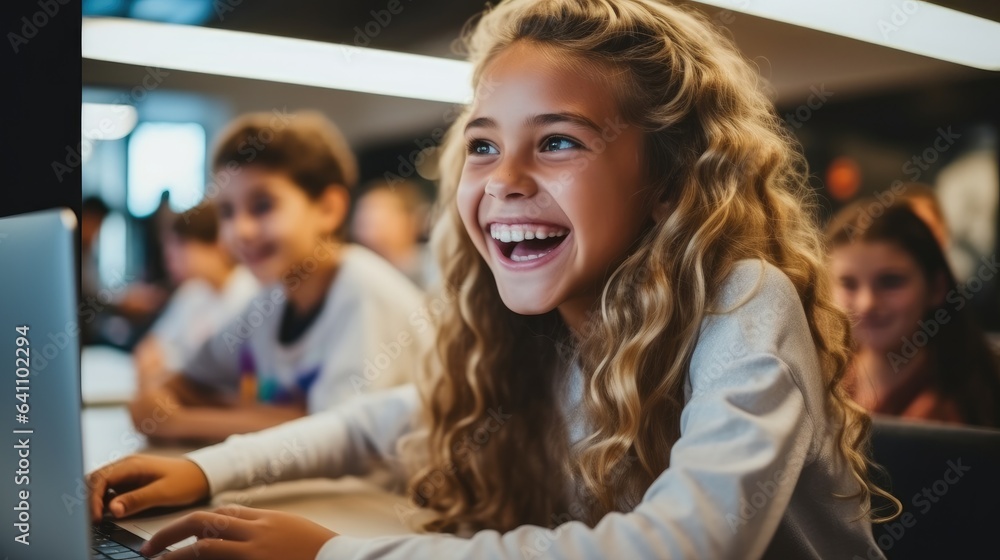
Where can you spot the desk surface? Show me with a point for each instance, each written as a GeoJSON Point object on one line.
{"type": "Point", "coordinates": [349, 506]}
{"type": "Point", "coordinates": [107, 375]}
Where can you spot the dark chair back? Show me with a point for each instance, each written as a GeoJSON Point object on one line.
{"type": "Point", "coordinates": [948, 479]}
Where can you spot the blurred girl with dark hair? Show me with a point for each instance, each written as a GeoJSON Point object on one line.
{"type": "Point", "coordinates": [919, 352]}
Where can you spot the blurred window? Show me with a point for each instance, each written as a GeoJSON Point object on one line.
{"type": "Point", "coordinates": [111, 251]}
{"type": "Point", "coordinates": [165, 157]}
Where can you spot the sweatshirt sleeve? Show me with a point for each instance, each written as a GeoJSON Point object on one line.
{"type": "Point", "coordinates": [745, 437]}
{"type": "Point", "coordinates": [344, 441]}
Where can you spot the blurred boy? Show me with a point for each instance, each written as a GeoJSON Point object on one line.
{"type": "Point", "coordinates": [334, 319]}
{"type": "Point", "coordinates": [211, 290]}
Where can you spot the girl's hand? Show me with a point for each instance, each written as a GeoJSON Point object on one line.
{"type": "Point", "coordinates": [144, 481]}
{"type": "Point", "coordinates": [236, 531]}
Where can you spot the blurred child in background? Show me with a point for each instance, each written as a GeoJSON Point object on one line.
{"type": "Point", "coordinates": [391, 220]}
{"type": "Point", "coordinates": [124, 308]}
{"type": "Point", "coordinates": [93, 210]}
{"type": "Point", "coordinates": [919, 351]}
{"type": "Point", "coordinates": [211, 290]}
{"type": "Point", "coordinates": [92, 213]}
{"type": "Point", "coordinates": [334, 319]}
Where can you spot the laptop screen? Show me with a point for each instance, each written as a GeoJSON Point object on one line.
{"type": "Point", "coordinates": [43, 493]}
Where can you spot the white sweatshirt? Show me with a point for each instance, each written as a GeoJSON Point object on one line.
{"type": "Point", "coordinates": [367, 332]}
{"type": "Point", "coordinates": [753, 474]}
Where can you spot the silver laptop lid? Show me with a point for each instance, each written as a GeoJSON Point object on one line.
{"type": "Point", "coordinates": [42, 496]}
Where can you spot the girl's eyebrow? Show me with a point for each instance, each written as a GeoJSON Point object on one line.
{"type": "Point", "coordinates": [540, 120]}
{"type": "Point", "coordinates": [570, 118]}
{"type": "Point", "coordinates": [481, 122]}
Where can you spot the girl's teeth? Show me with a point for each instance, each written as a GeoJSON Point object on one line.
{"type": "Point", "coordinates": [517, 233]}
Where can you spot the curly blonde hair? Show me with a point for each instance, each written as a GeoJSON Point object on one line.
{"type": "Point", "coordinates": [736, 185]}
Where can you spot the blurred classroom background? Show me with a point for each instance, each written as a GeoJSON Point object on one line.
{"type": "Point", "coordinates": [867, 116]}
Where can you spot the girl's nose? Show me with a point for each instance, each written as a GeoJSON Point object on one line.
{"type": "Point", "coordinates": [864, 301]}
{"type": "Point", "coordinates": [510, 181]}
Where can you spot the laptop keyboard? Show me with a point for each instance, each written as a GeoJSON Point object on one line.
{"type": "Point", "coordinates": [112, 543]}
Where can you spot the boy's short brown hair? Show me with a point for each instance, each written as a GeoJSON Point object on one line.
{"type": "Point", "coordinates": [197, 224]}
{"type": "Point", "coordinates": [306, 146]}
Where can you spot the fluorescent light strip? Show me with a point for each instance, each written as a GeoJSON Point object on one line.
{"type": "Point", "coordinates": [276, 59]}
{"type": "Point", "coordinates": [907, 25]}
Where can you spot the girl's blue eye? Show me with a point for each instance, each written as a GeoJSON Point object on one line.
{"type": "Point", "coordinates": [481, 148]}
{"type": "Point", "coordinates": [557, 143]}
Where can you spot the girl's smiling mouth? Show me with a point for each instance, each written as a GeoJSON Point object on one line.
{"type": "Point", "coordinates": [525, 244]}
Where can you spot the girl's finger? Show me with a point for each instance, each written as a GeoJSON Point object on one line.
{"type": "Point", "coordinates": [200, 524]}
{"type": "Point", "coordinates": [210, 549]}
{"type": "Point", "coordinates": [98, 485]}
{"type": "Point", "coordinates": [125, 471]}
{"type": "Point", "coordinates": [140, 499]}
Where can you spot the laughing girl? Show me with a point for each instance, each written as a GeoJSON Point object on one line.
{"type": "Point", "coordinates": [643, 359]}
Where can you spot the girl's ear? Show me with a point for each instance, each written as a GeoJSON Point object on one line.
{"type": "Point", "coordinates": [334, 204]}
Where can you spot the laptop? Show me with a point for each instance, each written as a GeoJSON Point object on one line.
{"type": "Point", "coordinates": [44, 494]}
{"type": "Point", "coordinates": [946, 478]}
